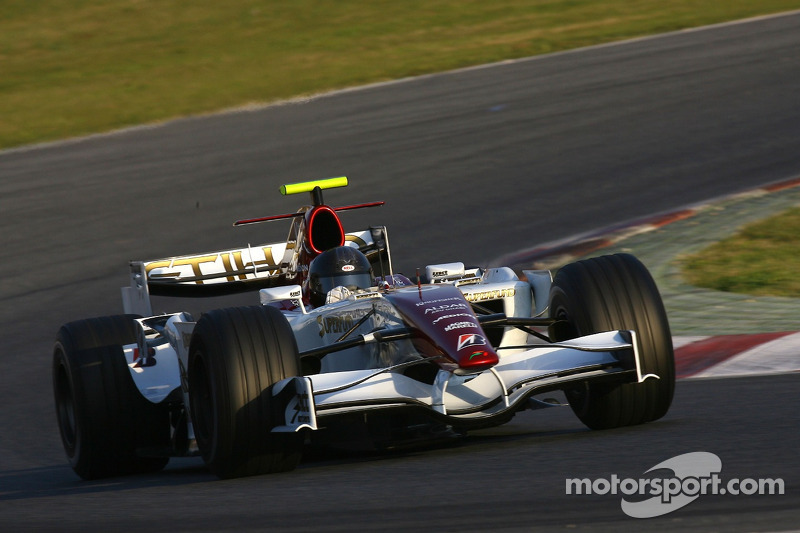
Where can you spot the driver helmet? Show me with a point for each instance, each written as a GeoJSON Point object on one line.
{"type": "Point", "coordinates": [343, 266]}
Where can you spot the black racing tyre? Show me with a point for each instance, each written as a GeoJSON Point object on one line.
{"type": "Point", "coordinates": [235, 357]}
{"type": "Point", "coordinates": [102, 417]}
{"type": "Point", "coordinates": [609, 293]}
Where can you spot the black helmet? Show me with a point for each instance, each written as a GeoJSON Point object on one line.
{"type": "Point", "coordinates": [342, 266]}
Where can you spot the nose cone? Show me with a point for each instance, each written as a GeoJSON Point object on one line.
{"type": "Point", "coordinates": [443, 317]}
{"type": "Point", "coordinates": [473, 353]}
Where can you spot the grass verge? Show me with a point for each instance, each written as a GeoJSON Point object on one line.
{"type": "Point", "coordinates": [85, 66]}
{"type": "Point", "coordinates": [763, 259]}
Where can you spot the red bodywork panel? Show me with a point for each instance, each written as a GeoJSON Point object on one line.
{"type": "Point", "coordinates": [449, 330]}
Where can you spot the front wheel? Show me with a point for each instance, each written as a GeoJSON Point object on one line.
{"type": "Point", "coordinates": [616, 292]}
{"type": "Point", "coordinates": [235, 357]}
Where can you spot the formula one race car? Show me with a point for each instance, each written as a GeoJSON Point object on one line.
{"type": "Point", "coordinates": [338, 340]}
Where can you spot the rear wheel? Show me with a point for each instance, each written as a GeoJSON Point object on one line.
{"type": "Point", "coordinates": [235, 357]}
{"type": "Point", "coordinates": [102, 417]}
{"type": "Point", "coordinates": [610, 293]}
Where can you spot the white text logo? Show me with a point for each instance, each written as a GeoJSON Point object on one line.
{"type": "Point", "coordinates": [693, 475]}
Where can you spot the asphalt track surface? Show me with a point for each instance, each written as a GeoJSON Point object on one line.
{"type": "Point", "coordinates": [473, 165]}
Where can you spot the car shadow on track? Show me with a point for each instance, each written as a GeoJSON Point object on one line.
{"type": "Point", "coordinates": [530, 428]}
{"type": "Point", "coordinates": [60, 480]}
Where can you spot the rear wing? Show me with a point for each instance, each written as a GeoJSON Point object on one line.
{"type": "Point", "coordinates": [257, 267]}
{"type": "Point", "coordinates": [230, 271]}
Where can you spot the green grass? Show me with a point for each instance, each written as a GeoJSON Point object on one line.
{"type": "Point", "coordinates": [81, 66]}
{"type": "Point", "coordinates": [762, 260]}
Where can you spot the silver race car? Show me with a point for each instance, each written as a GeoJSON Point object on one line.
{"type": "Point", "coordinates": [336, 343]}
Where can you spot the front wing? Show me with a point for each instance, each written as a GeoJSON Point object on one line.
{"type": "Point", "coordinates": [479, 400]}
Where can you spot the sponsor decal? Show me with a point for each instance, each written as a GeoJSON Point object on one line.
{"type": "Point", "coordinates": [367, 295]}
{"type": "Point", "coordinates": [476, 354]}
{"type": "Point", "coordinates": [438, 300]}
{"type": "Point", "coordinates": [460, 325]}
{"type": "Point", "coordinates": [348, 268]}
{"type": "Point", "coordinates": [444, 317]}
{"type": "Point", "coordinates": [446, 307]}
{"type": "Point", "coordinates": [439, 274]}
{"type": "Point", "coordinates": [299, 409]}
{"type": "Point", "coordinates": [232, 262]}
{"type": "Point", "coordinates": [469, 340]}
{"type": "Point", "coordinates": [339, 323]}
{"type": "Point", "coordinates": [494, 294]}
{"type": "Point", "coordinates": [360, 243]}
